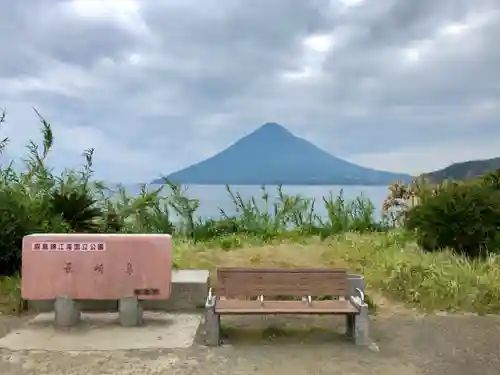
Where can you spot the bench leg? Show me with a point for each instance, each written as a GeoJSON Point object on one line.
{"type": "Point", "coordinates": [360, 331]}
{"type": "Point", "coordinates": [130, 311]}
{"type": "Point", "coordinates": [212, 326]}
{"type": "Point", "coordinates": [349, 320]}
{"type": "Point", "coordinates": [67, 312]}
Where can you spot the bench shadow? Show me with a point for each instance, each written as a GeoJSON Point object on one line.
{"type": "Point", "coordinates": [283, 330]}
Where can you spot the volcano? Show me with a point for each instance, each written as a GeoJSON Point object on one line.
{"type": "Point", "coordinates": [272, 155]}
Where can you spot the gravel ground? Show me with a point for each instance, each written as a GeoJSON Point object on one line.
{"type": "Point", "coordinates": [405, 344]}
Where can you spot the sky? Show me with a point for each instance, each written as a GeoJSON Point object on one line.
{"type": "Point", "coordinates": [154, 86]}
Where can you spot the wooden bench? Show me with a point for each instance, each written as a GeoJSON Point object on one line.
{"type": "Point", "coordinates": [247, 291]}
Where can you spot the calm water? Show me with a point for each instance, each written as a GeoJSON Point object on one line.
{"type": "Point", "coordinates": [213, 197]}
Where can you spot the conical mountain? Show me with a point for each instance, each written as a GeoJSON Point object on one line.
{"type": "Point", "coordinates": [273, 155]}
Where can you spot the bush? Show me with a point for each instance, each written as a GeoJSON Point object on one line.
{"type": "Point", "coordinates": [464, 217]}
{"type": "Point", "coordinates": [491, 179]}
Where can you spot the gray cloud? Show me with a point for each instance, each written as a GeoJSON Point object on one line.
{"type": "Point", "coordinates": [155, 86]}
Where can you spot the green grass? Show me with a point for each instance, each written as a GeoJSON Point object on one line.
{"type": "Point", "coordinates": [283, 231]}
{"type": "Point", "coordinates": [10, 295]}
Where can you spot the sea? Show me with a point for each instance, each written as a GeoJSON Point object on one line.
{"type": "Point", "coordinates": [213, 198]}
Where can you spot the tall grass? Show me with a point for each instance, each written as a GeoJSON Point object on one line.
{"type": "Point", "coordinates": [169, 209]}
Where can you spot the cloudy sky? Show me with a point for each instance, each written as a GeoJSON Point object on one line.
{"type": "Point", "coordinates": [154, 86]}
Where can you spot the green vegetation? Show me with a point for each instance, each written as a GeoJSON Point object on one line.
{"type": "Point", "coordinates": [463, 216]}
{"type": "Point", "coordinates": [282, 231]}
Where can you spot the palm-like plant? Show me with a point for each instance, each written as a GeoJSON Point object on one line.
{"type": "Point", "coordinates": [76, 209]}
{"type": "Point", "coordinates": [492, 179]}
{"type": "Point", "coordinates": [400, 199]}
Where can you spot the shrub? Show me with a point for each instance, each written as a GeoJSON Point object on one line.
{"type": "Point", "coordinates": [462, 216]}
{"type": "Point", "coordinates": [76, 209]}
{"type": "Point", "coordinates": [491, 179]}
{"type": "Point", "coordinates": [14, 224]}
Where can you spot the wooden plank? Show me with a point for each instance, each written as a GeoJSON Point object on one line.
{"type": "Point", "coordinates": [278, 269]}
{"type": "Point", "coordinates": [284, 307]}
{"type": "Point", "coordinates": [272, 282]}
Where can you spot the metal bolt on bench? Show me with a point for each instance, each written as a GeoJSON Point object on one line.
{"type": "Point", "coordinates": [237, 286]}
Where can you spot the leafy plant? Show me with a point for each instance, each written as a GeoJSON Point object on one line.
{"type": "Point", "coordinates": [491, 179]}
{"type": "Point", "coordinates": [463, 217]}
{"type": "Point", "coordinates": [77, 209]}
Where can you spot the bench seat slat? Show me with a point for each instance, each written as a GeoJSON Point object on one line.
{"type": "Point", "coordinates": [284, 307]}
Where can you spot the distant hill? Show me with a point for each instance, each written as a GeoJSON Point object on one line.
{"type": "Point", "coordinates": [272, 155]}
{"type": "Point", "coordinates": [462, 171]}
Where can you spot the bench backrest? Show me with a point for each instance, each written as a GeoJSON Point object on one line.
{"type": "Point", "coordinates": [273, 282]}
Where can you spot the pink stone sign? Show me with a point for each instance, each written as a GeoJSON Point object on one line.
{"type": "Point", "coordinates": [96, 266]}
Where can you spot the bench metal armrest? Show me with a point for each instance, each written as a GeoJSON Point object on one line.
{"type": "Point", "coordinates": [210, 301]}
{"type": "Point", "coordinates": [358, 301]}
{"type": "Point", "coordinates": [361, 295]}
